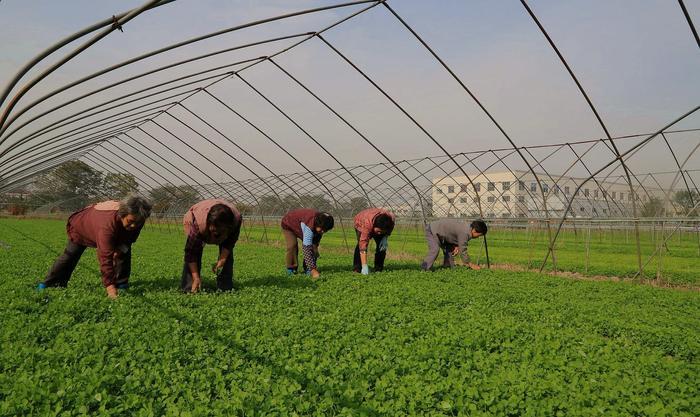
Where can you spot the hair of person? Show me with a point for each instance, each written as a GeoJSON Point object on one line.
{"type": "Point", "coordinates": [384, 222]}
{"type": "Point", "coordinates": [479, 226]}
{"type": "Point", "coordinates": [139, 206]}
{"type": "Point", "coordinates": [221, 216]}
{"type": "Point", "coordinates": [324, 220]}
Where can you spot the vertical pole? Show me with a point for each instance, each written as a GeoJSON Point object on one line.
{"type": "Point", "coordinates": [636, 222]}
{"type": "Point", "coordinates": [486, 247]}
{"type": "Point", "coordinates": [588, 245]}
{"type": "Point", "coordinates": [661, 249]}
{"type": "Point", "coordinates": [345, 236]}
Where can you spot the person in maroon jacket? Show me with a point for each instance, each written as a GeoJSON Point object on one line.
{"type": "Point", "coordinates": [377, 224]}
{"type": "Point", "coordinates": [309, 225]}
{"type": "Point", "coordinates": [214, 222]}
{"type": "Point", "coordinates": [111, 227]}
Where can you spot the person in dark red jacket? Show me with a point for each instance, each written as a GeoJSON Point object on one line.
{"type": "Point", "coordinates": [111, 227]}
{"type": "Point", "coordinates": [309, 225]}
{"type": "Point", "coordinates": [214, 222]}
{"type": "Point", "coordinates": [377, 224]}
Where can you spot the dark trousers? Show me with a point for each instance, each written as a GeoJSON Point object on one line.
{"type": "Point", "coordinates": [224, 279]}
{"type": "Point", "coordinates": [434, 247]}
{"type": "Point", "coordinates": [379, 256]}
{"type": "Point", "coordinates": [63, 267]}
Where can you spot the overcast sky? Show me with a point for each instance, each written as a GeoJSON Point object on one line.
{"type": "Point", "coordinates": [637, 60]}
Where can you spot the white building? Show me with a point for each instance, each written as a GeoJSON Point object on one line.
{"type": "Point", "coordinates": [517, 194]}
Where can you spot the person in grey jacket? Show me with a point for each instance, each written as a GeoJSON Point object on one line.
{"type": "Point", "coordinates": [452, 236]}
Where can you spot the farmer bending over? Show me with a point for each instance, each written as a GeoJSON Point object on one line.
{"type": "Point", "coordinates": [308, 225]}
{"type": "Point", "coordinates": [111, 227]}
{"type": "Point", "coordinates": [452, 236]}
{"type": "Point", "coordinates": [214, 222]}
{"type": "Point", "coordinates": [377, 224]}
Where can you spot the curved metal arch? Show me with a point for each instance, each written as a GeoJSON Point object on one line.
{"type": "Point", "coordinates": [116, 23]}
{"type": "Point", "coordinates": [5, 124]}
{"type": "Point", "coordinates": [57, 140]}
{"type": "Point", "coordinates": [141, 75]}
{"type": "Point", "coordinates": [483, 108]}
{"type": "Point", "coordinates": [600, 121]}
{"type": "Point", "coordinates": [248, 154]}
{"type": "Point", "coordinates": [637, 146]}
{"type": "Point", "coordinates": [255, 174]}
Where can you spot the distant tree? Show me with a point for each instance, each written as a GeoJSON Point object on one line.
{"type": "Point", "coordinates": [653, 208]}
{"type": "Point", "coordinates": [270, 205]}
{"type": "Point", "coordinates": [70, 185]}
{"type": "Point", "coordinates": [167, 197]}
{"type": "Point", "coordinates": [316, 201]}
{"type": "Point", "coordinates": [686, 200]}
{"type": "Point", "coordinates": [118, 185]}
{"type": "Point", "coordinates": [355, 205]}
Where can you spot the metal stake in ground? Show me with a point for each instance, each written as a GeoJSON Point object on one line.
{"type": "Point", "coordinates": [486, 248]}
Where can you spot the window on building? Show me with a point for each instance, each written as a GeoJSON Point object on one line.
{"type": "Point", "coordinates": [450, 189]}
{"type": "Point", "coordinates": [462, 199]}
{"type": "Point", "coordinates": [521, 185]}
{"type": "Point", "coordinates": [476, 199]}
{"type": "Point", "coordinates": [521, 198]}
{"type": "Point", "coordinates": [622, 196]}
{"type": "Point", "coordinates": [450, 200]}
{"type": "Point", "coordinates": [477, 187]}
{"type": "Point", "coordinates": [533, 187]}
{"type": "Point", "coordinates": [595, 193]}
{"type": "Point", "coordinates": [491, 187]}
{"type": "Point", "coordinates": [506, 185]}
{"type": "Point", "coordinates": [556, 189]}
{"type": "Point", "coordinates": [586, 192]}
{"type": "Point", "coordinates": [491, 199]}
{"type": "Point", "coordinates": [583, 210]}
{"type": "Point", "coordinates": [613, 195]}
{"type": "Point", "coordinates": [545, 187]}
{"type": "Point", "coordinates": [463, 188]}
{"type": "Point", "coordinates": [506, 198]}
{"type": "Point", "coordinates": [566, 190]}
{"type": "Point", "coordinates": [629, 197]}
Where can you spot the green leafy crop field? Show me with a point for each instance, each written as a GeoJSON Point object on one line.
{"type": "Point", "coordinates": [401, 342]}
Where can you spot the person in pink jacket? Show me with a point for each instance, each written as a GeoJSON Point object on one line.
{"type": "Point", "coordinates": [377, 224]}
{"type": "Point", "coordinates": [111, 227]}
{"type": "Point", "coordinates": [215, 222]}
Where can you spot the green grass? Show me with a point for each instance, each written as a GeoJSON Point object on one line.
{"type": "Point", "coordinates": [401, 342]}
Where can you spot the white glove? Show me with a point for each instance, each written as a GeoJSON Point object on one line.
{"type": "Point", "coordinates": [365, 269]}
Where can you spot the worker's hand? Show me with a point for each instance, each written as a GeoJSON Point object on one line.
{"type": "Point", "coordinates": [365, 269]}
{"type": "Point", "coordinates": [112, 292]}
{"type": "Point", "coordinates": [315, 274]}
{"type": "Point", "coordinates": [196, 283]}
{"type": "Point", "coordinates": [455, 251]}
{"type": "Point", "coordinates": [218, 265]}
{"type": "Point", "coordinates": [474, 266]}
